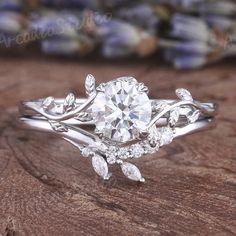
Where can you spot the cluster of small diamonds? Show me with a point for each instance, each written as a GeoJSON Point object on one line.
{"type": "Point", "coordinates": [163, 136]}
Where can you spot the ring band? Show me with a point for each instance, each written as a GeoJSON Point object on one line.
{"type": "Point", "coordinates": [117, 121]}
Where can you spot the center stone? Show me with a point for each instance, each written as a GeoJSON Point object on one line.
{"type": "Point", "coordinates": [121, 111]}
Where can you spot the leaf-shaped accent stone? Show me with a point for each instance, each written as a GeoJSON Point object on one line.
{"type": "Point", "coordinates": [193, 116]}
{"type": "Point", "coordinates": [48, 103]}
{"type": "Point", "coordinates": [69, 102]}
{"type": "Point", "coordinates": [174, 116]}
{"type": "Point", "coordinates": [131, 172]}
{"type": "Point", "coordinates": [184, 94]}
{"type": "Point", "coordinates": [57, 126]}
{"type": "Point", "coordinates": [100, 166]}
{"type": "Point", "coordinates": [90, 84]}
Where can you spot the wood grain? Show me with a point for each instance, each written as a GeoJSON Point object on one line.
{"type": "Point", "coordinates": [47, 188]}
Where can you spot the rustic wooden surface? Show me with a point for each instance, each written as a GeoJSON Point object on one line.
{"type": "Point", "coordinates": [47, 188]}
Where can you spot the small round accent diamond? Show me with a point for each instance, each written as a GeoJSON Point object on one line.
{"type": "Point", "coordinates": [86, 152]}
{"type": "Point", "coordinates": [111, 154]}
{"type": "Point", "coordinates": [137, 150]}
{"type": "Point", "coordinates": [124, 153]}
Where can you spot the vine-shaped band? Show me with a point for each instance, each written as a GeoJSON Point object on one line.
{"type": "Point", "coordinates": [127, 123]}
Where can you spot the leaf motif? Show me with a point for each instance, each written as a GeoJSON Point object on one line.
{"type": "Point", "coordinates": [100, 166]}
{"type": "Point", "coordinates": [160, 106]}
{"type": "Point", "coordinates": [69, 102]}
{"type": "Point", "coordinates": [154, 136]}
{"type": "Point", "coordinates": [174, 116]}
{"type": "Point", "coordinates": [131, 172]}
{"type": "Point", "coordinates": [48, 103]}
{"type": "Point", "coordinates": [84, 116]}
{"type": "Point", "coordinates": [184, 94]}
{"type": "Point", "coordinates": [90, 84]}
{"type": "Point", "coordinates": [193, 116]}
{"type": "Point", "coordinates": [57, 126]}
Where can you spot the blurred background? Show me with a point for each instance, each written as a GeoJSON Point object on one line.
{"type": "Point", "coordinates": [185, 34]}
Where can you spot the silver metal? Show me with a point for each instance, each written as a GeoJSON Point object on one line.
{"type": "Point", "coordinates": [71, 119]}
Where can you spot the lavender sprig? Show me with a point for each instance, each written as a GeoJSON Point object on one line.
{"type": "Point", "coordinates": [190, 33]}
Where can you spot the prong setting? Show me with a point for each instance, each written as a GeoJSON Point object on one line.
{"type": "Point", "coordinates": [101, 87]}
{"type": "Point", "coordinates": [142, 88]}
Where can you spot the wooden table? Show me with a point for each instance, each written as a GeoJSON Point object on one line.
{"type": "Point", "coordinates": [47, 188]}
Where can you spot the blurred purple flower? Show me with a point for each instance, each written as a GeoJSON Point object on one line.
{"type": "Point", "coordinates": [141, 15]}
{"type": "Point", "coordinates": [182, 60]}
{"type": "Point", "coordinates": [202, 32]}
{"type": "Point", "coordinates": [189, 28]}
{"type": "Point", "coordinates": [10, 23]}
{"type": "Point", "coordinates": [178, 3]}
{"type": "Point", "coordinates": [217, 7]}
{"type": "Point", "coordinates": [64, 24]}
{"type": "Point", "coordinates": [193, 47]}
{"type": "Point", "coordinates": [85, 4]}
{"type": "Point", "coordinates": [118, 38]}
{"type": "Point", "coordinates": [11, 5]}
{"type": "Point", "coordinates": [60, 46]}
{"type": "Point", "coordinates": [80, 45]}
{"type": "Point", "coordinates": [80, 4]}
{"type": "Point", "coordinates": [189, 62]}
{"type": "Point", "coordinates": [115, 3]}
{"type": "Point", "coordinates": [222, 22]}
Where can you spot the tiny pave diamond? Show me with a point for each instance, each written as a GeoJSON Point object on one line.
{"type": "Point", "coordinates": [121, 110]}
{"type": "Point", "coordinates": [86, 152]}
{"type": "Point", "coordinates": [111, 159]}
{"type": "Point", "coordinates": [149, 149]}
{"type": "Point", "coordinates": [124, 153]}
{"type": "Point", "coordinates": [137, 150]}
{"type": "Point", "coordinates": [111, 154]}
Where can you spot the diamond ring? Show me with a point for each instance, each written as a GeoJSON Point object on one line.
{"type": "Point", "coordinates": [117, 121]}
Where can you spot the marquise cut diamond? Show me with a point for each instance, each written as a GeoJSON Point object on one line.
{"type": "Point", "coordinates": [121, 111]}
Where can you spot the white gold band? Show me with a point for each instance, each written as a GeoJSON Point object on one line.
{"type": "Point", "coordinates": [127, 123]}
